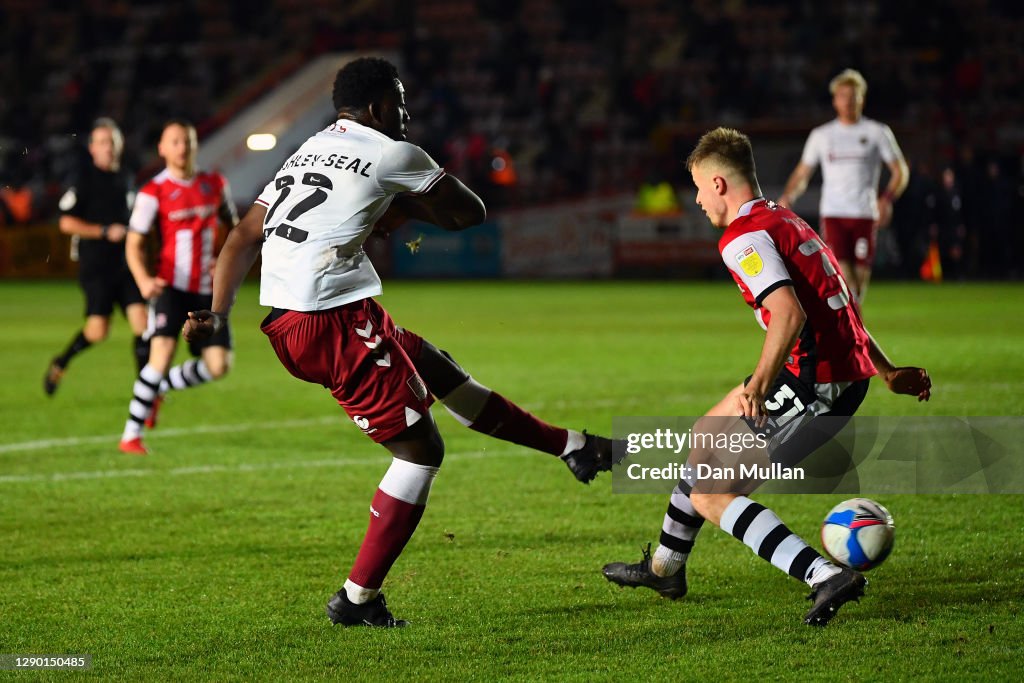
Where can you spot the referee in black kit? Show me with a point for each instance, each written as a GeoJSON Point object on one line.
{"type": "Point", "coordinates": [95, 211]}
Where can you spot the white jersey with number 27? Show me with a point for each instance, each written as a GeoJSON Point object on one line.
{"type": "Point", "coordinates": [321, 207]}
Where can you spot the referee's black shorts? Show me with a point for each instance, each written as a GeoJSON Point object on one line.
{"type": "Point", "coordinates": [103, 290]}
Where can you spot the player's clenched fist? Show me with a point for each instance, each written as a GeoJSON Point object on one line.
{"type": "Point", "coordinates": [909, 380]}
{"type": "Point", "coordinates": [201, 325]}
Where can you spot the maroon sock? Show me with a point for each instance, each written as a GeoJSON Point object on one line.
{"type": "Point", "coordinates": [503, 419]}
{"type": "Point", "coordinates": [392, 523]}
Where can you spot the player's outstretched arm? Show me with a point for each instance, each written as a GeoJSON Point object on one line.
{"type": "Point", "coordinates": [900, 380]}
{"type": "Point", "coordinates": [236, 258]}
{"type": "Point", "coordinates": [449, 204]}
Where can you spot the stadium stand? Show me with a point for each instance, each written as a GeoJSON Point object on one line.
{"type": "Point", "coordinates": [530, 101]}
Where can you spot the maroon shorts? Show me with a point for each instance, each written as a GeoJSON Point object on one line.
{"type": "Point", "coordinates": [358, 353]}
{"type": "Point", "coordinates": [851, 239]}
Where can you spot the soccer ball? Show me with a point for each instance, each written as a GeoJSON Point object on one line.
{"type": "Point", "coordinates": [858, 533]}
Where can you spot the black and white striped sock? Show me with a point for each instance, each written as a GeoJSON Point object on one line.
{"type": "Point", "coordinates": [191, 373]}
{"type": "Point", "coordinates": [143, 393]}
{"type": "Point", "coordinates": [764, 533]}
{"type": "Point", "coordinates": [678, 531]}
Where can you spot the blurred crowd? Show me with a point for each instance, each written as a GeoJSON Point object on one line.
{"type": "Point", "coordinates": [534, 101]}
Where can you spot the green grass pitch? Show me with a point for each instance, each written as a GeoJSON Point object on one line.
{"type": "Point", "coordinates": [213, 558]}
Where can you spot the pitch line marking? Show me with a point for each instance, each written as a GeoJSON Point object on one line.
{"type": "Point", "coordinates": [242, 467]}
{"type": "Point", "coordinates": [39, 444]}
{"type": "Point", "coordinates": [161, 433]}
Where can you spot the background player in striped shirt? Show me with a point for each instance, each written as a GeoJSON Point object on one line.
{"type": "Point", "coordinates": [816, 360]}
{"type": "Point", "coordinates": [850, 150]}
{"type": "Point", "coordinates": [94, 211]}
{"type": "Point", "coordinates": [188, 207]}
{"type": "Point", "coordinates": [309, 225]}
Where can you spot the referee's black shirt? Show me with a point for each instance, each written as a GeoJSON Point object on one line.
{"type": "Point", "coordinates": [102, 197]}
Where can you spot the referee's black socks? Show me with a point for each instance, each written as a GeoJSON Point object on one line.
{"type": "Point", "coordinates": [77, 345]}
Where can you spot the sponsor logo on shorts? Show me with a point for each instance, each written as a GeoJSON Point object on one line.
{"type": "Point", "coordinates": [161, 320]}
{"type": "Point", "coordinates": [374, 512]}
{"type": "Point", "coordinates": [364, 424]}
{"type": "Point", "coordinates": [418, 388]}
{"type": "Point", "coordinates": [861, 248]}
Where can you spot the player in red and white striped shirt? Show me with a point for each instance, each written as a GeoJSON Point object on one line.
{"type": "Point", "coordinates": [816, 360]}
{"type": "Point", "coordinates": [188, 207]}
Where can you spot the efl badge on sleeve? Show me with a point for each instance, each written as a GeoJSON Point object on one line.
{"type": "Point", "coordinates": [750, 261]}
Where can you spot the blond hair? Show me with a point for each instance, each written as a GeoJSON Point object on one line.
{"type": "Point", "coordinates": [111, 125]}
{"type": "Point", "coordinates": [849, 77]}
{"type": "Point", "coordinates": [726, 149]}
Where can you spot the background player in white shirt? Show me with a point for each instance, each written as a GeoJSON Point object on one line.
{"type": "Point", "coordinates": [309, 224]}
{"type": "Point", "coordinates": [850, 150]}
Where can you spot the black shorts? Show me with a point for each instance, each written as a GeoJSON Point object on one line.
{"type": "Point", "coordinates": [169, 311]}
{"type": "Point", "coordinates": [805, 416]}
{"type": "Point", "coordinates": [102, 291]}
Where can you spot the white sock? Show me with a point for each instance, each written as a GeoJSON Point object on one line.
{"type": "Point", "coordinates": [132, 430]}
{"type": "Point", "coordinates": [357, 595]}
{"type": "Point", "coordinates": [667, 562]}
{"type": "Point", "coordinates": [408, 481]}
{"type": "Point", "coordinates": [821, 570]}
{"type": "Point", "coordinates": [574, 441]}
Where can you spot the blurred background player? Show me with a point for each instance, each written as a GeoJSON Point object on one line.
{"type": "Point", "coordinates": [94, 211]}
{"type": "Point", "coordinates": [816, 360]}
{"type": "Point", "coordinates": [187, 207]}
{"type": "Point", "coordinates": [948, 226]}
{"type": "Point", "coordinates": [309, 224]}
{"type": "Point", "coordinates": [850, 150]}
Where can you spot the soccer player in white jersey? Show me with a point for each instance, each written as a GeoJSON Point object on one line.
{"type": "Point", "coordinates": [309, 224]}
{"type": "Point", "coordinates": [850, 150]}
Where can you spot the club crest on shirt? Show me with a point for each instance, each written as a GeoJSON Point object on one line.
{"type": "Point", "coordinates": [750, 261]}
